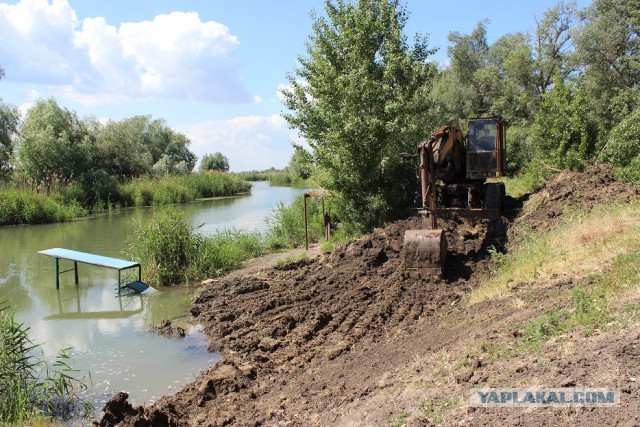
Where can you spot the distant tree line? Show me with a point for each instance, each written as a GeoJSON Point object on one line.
{"type": "Point", "coordinates": [362, 94]}
{"type": "Point", "coordinates": [52, 146]}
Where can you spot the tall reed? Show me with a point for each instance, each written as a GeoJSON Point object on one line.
{"type": "Point", "coordinates": [31, 388]}
{"type": "Point", "coordinates": [172, 252]}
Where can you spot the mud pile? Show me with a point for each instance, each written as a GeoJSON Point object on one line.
{"type": "Point", "coordinates": [311, 341]}
{"type": "Point", "coordinates": [572, 189]}
{"type": "Point", "coordinates": [277, 323]}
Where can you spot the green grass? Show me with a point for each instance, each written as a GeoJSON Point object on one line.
{"type": "Point", "coordinates": [172, 252]}
{"type": "Point", "coordinates": [30, 207]}
{"type": "Point", "coordinates": [526, 182]}
{"type": "Point", "coordinates": [292, 259]}
{"type": "Point", "coordinates": [102, 193]}
{"type": "Point", "coordinates": [32, 389]}
{"type": "Point", "coordinates": [181, 188]}
{"type": "Point", "coordinates": [399, 420]}
{"type": "Point", "coordinates": [286, 224]}
{"type": "Point", "coordinates": [581, 242]}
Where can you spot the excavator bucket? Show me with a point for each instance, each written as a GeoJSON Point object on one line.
{"type": "Point", "coordinates": [425, 252]}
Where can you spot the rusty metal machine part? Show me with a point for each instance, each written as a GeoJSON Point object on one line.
{"type": "Point", "coordinates": [462, 171]}
{"type": "Point", "coordinates": [425, 252]}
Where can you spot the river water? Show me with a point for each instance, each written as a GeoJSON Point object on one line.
{"type": "Point", "coordinates": [108, 335]}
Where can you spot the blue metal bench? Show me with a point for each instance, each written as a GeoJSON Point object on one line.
{"type": "Point", "coordinates": [102, 261]}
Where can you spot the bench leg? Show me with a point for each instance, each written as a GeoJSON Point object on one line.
{"type": "Point", "coordinates": [119, 282]}
{"type": "Point", "coordinates": [75, 267]}
{"type": "Point", "coordinates": [57, 275]}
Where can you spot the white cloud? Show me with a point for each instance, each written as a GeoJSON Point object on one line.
{"type": "Point", "coordinates": [176, 55]}
{"type": "Point", "coordinates": [250, 142]}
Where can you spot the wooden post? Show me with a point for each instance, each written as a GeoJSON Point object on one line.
{"type": "Point", "coordinates": [306, 225]}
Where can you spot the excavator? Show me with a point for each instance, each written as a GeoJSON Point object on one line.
{"type": "Point", "coordinates": [453, 179]}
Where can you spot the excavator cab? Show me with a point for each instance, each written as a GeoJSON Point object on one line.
{"type": "Point", "coordinates": [485, 149]}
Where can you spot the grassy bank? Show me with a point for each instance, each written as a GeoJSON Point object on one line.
{"type": "Point", "coordinates": [581, 242]}
{"type": "Point", "coordinates": [103, 193]}
{"type": "Point", "coordinates": [30, 207]}
{"type": "Point", "coordinates": [277, 178]}
{"type": "Point", "coordinates": [181, 189]}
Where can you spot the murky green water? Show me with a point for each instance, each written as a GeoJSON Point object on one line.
{"type": "Point", "coordinates": [108, 335]}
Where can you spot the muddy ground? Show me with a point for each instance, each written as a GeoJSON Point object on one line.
{"type": "Point", "coordinates": [345, 338]}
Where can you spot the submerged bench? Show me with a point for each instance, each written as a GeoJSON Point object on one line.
{"type": "Point", "coordinates": [99, 260]}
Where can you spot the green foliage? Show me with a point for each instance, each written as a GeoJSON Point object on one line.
{"type": "Point", "coordinates": [553, 55]}
{"type": "Point", "coordinates": [140, 146]}
{"type": "Point", "coordinates": [623, 145]}
{"type": "Point", "coordinates": [30, 386]}
{"type": "Point", "coordinates": [214, 162]}
{"type": "Point", "coordinates": [9, 119]}
{"type": "Point", "coordinates": [172, 253]}
{"type": "Point", "coordinates": [165, 248]}
{"type": "Point", "coordinates": [520, 148]}
{"type": "Point", "coordinates": [286, 224]}
{"type": "Point", "coordinates": [357, 99]}
{"type": "Point", "coordinates": [30, 207]}
{"type": "Point", "coordinates": [563, 133]}
{"type": "Point", "coordinates": [631, 173]}
{"type": "Point", "coordinates": [97, 191]}
{"type": "Point", "coordinates": [301, 164]}
{"type": "Point", "coordinates": [607, 45]}
{"type": "Point", "coordinates": [181, 188]}
{"type": "Point", "coordinates": [53, 145]}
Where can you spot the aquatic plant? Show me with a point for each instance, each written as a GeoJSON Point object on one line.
{"type": "Point", "coordinates": [31, 387]}
{"type": "Point", "coordinates": [171, 251]}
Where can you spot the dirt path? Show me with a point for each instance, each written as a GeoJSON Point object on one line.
{"type": "Point", "coordinates": [345, 339]}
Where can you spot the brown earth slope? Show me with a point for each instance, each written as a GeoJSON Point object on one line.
{"type": "Point", "coordinates": [346, 339]}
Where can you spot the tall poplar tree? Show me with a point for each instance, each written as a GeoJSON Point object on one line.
{"type": "Point", "coordinates": [359, 98]}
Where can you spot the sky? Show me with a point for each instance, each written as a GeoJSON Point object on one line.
{"type": "Point", "coordinates": [212, 69]}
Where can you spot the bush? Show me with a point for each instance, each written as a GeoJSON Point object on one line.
{"type": "Point", "coordinates": [30, 207]}
{"type": "Point", "coordinates": [164, 247]}
{"type": "Point", "coordinates": [171, 253]}
{"type": "Point", "coordinates": [562, 133]}
{"type": "Point", "coordinates": [623, 145]}
{"type": "Point", "coordinates": [286, 223]}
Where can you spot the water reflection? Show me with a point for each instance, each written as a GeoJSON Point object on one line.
{"type": "Point", "coordinates": [108, 334]}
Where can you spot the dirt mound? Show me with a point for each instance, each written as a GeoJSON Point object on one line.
{"type": "Point", "coordinates": [279, 323]}
{"type": "Point", "coordinates": [341, 338]}
{"type": "Point", "coordinates": [571, 189]}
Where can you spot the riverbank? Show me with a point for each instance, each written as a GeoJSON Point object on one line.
{"type": "Point", "coordinates": [344, 338]}
{"type": "Point", "coordinates": [27, 206]}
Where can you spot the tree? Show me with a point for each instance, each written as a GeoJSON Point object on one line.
{"type": "Point", "coordinates": [214, 162]}
{"type": "Point", "coordinates": [301, 163]}
{"type": "Point", "coordinates": [139, 146]}
{"type": "Point", "coordinates": [563, 132]}
{"type": "Point", "coordinates": [608, 46]}
{"type": "Point", "coordinates": [553, 47]}
{"type": "Point", "coordinates": [53, 144]}
{"type": "Point", "coordinates": [359, 98]}
{"type": "Point", "coordinates": [9, 119]}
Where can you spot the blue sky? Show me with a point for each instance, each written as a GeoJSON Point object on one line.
{"type": "Point", "coordinates": [210, 68]}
